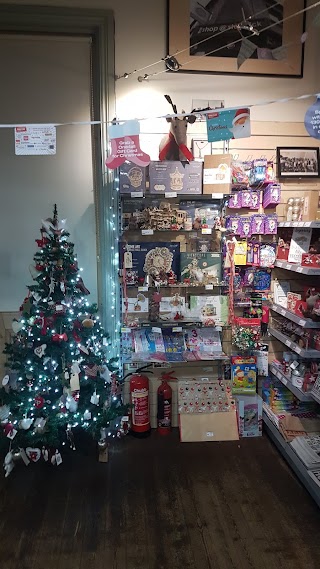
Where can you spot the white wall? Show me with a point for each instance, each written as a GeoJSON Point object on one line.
{"type": "Point", "coordinates": [141, 39]}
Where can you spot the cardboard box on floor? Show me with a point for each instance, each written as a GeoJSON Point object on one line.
{"type": "Point", "coordinates": [217, 174]}
{"type": "Point", "coordinates": [311, 200]}
{"type": "Point", "coordinates": [208, 427]}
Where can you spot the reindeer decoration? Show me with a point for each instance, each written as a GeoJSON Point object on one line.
{"type": "Point", "coordinates": [173, 146]}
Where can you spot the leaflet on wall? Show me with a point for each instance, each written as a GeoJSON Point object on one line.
{"type": "Point", "coordinates": [35, 140]}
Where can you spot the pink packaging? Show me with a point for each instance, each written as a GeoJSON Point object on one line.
{"type": "Point", "coordinates": [257, 224]}
{"type": "Point", "coordinates": [271, 195]}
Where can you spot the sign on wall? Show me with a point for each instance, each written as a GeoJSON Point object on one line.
{"type": "Point", "coordinates": [226, 125]}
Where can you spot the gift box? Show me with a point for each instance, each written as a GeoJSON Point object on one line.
{"type": "Point", "coordinates": [172, 176]}
{"type": "Point", "coordinates": [217, 174]}
{"type": "Point", "coordinates": [249, 410]}
{"type": "Point", "coordinates": [132, 178]}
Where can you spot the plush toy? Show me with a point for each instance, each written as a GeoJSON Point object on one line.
{"type": "Point", "coordinates": [173, 146]}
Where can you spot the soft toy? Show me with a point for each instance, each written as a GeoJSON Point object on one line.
{"type": "Point", "coordinates": [173, 146]}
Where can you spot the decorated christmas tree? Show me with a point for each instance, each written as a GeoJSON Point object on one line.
{"type": "Point", "coordinates": [59, 376]}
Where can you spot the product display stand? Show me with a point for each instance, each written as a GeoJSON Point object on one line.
{"type": "Point", "coordinates": [291, 396]}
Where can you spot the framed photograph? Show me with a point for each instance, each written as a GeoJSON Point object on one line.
{"type": "Point", "coordinates": [297, 162]}
{"type": "Point", "coordinates": [207, 36]}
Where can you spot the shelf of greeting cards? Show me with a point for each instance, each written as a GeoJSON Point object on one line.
{"type": "Point", "coordinates": [146, 288]}
{"type": "Point", "coordinates": [176, 326]}
{"type": "Point", "coordinates": [297, 268]}
{"type": "Point", "coordinates": [197, 361]}
{"type": "Point", "coordinates": [308, 354]}
{"type": "Point", "coordinates": [304, 322]}
{"type": "Point", "coordinates": [310, 224]}
{"type": "Point", "coordinates": [192, 233]}
{"type": "Point", "coordinates": [315, 397]}
{"type": "Point", "coordinates": [301, 395]}
{"type": "Point", "coordinates": [291, 457]}
{"type": "Point", "coordinates": [215, 197]}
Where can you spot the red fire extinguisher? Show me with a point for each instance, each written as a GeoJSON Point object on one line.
{"type": "Point", "coordinates": [139, 398]}
{"type": "Point", "coordinates": [164, 415]}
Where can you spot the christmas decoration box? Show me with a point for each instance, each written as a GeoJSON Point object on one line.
{"type": "Point", "coordinates": [202, 344]}
{"type": "Point", "coordinates": [249, 411]}
{"type": "Point", "coordinates": [132, 178]}
{"type": "Point", "coordinates": [210, 310]}
{"type": "Point", "coordinates": [217, 174]}
{"type": "Point", "coordinates": [151, 258]}
{"type": "Point", "coordinates": [199, 266]}
{"type": "Point", "coordinates": [178, 177]}
{"type": "Point", "coordinates": [243, 374]}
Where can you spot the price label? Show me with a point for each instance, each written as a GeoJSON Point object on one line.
{"type": "Point", "coordinates": [206, 231]}
{"type": "Point", "coordinates": [284, 380]}
{"type": "Point", "coordinates": [209, 287]}
{"type": "Point", "coordinates": [299, 269]}
{"type": "Point", "coordinates": [137, 194]}
{"type": "Point", "coordinates": [219, 328]}
{"type": "Point", "coordinates": [125, 330]}
{"type": "Point", "coordinates": [282, 312]}
{"type": "Point", "coordinates": [156, 329]}
{"type": "Point", "coordinates": [307, 224]}
{"type": "Point", "coordinates": [170, 194]}
{"type": "Point", "coordinates": [288, 343]}
{"type": "Point", "coordinates": [146, 231]}
{"type": "Point", "coordinates": [298, 350]}
{"type": "Point", "coordinates": [301, 322]}
{"type": "Point", "coordinates": [143, 288]}
{"type": "Point", "coordinates": [177, 329]}
{"type": "Point", "coordinates": [216, 196]}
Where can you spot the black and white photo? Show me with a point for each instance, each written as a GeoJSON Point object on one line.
{"type": "Point", "coordinates": [298, 162]}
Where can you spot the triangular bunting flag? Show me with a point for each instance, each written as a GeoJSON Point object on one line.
{"type": "Point", "coordinates": [280, 53]}
{"type": "Point", "coordinates": [246, 50]}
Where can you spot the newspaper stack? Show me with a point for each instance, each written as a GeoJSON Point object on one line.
{"type": "Point", "coordinates": [308, 450]}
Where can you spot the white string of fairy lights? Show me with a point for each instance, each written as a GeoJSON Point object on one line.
{"type": "Point", "coordinates": [173, 65]}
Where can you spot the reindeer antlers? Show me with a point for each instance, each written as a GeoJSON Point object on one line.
{"type": "Point", "coordinates": [168, 98]}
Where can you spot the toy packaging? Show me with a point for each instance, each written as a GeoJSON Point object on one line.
{"type": "Point", "coordinates": [160, 261]}
{"type": "Point", "coordinates": [132, 178]}
{"type": "Point", "coordinates": [202, 214]}
{"type": "Point", "coordinates": [179, 177]}
{"type": "Point", "coordinates": [200, 267]}
{"type": "Point", "coordinates": [210, 310]}
{"type": "Point", "coordinates": [249, 408]}
{"type": "Point", "coordinates": [174, 345]}
{"type": "Point", "coordinates": [202, 344]}
{"type": "Point", "coordinates": [243, 374]}
{"type": "Point", "coordinates": [205, 397]}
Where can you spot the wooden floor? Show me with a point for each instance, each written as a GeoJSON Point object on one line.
{"type": "Point", "coordinates": [160, 504]}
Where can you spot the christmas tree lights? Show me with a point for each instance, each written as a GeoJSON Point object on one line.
{"type": "Point", "coordinates": [62, 373]}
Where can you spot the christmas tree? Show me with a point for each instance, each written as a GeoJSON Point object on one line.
{"type": "Point", "coordinates": [60, 376]}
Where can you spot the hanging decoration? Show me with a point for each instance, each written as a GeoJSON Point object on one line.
{"type": "Point", "coordinates": [246, 51]}
{"type": "Point", "coordinates": [125, 145]}
{"type": "Point", "coordinates": [174, 145]}
{"type": "Point", "coordinates": [228, 124]}
{"type": "Point", "coordinates": [312, 119]}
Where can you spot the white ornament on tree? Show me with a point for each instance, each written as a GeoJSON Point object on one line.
{"type": "Point", "coordinates": [40, 350]}
{"type": "Point", "coordinates": [95, 398]}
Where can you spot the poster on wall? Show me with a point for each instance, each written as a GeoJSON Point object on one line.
{"type": "Point", "coordinates": [227, 125]}
{"type": "Point", "coordinates": [35, 140]}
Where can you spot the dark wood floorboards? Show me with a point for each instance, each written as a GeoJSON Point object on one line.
{"type": "Point", "coordinates": [160, 504]}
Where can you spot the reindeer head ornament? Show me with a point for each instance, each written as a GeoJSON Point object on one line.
{"type": "Point", "coordinates": [173, 146]}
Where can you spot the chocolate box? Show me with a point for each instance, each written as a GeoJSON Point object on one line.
{"type": "Point", "coordinates": [132, 178]}
{"type": "Point", "coordinates": [172, 176]}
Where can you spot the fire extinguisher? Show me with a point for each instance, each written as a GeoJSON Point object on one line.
{"type": "Point", "coordinates": [164, 414]}
{"type": "Point", "coordinates": [139, 399]}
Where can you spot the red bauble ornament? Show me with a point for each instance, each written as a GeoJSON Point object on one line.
{"type": "Point", "coordinates": [39, 402]}
{"type": "Point", "coordinates": [7, 429]}
{"type": "Point", "coordinates": [59, 337]}
{"type": "Point", "coordinates": [39, 267]}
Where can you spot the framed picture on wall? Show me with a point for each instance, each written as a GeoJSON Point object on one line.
{"type": "Point", "coordinates": [206, 36]}
{"type": "Point", "coordinates": [297, 162]}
